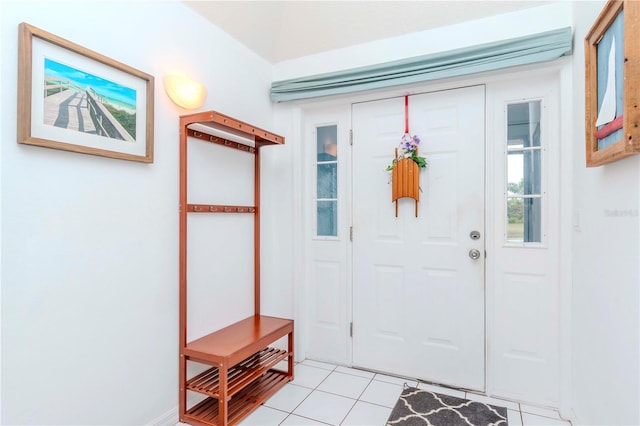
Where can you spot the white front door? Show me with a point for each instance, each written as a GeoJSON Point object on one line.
{"type": "Point", "coordinates": [418, 296]}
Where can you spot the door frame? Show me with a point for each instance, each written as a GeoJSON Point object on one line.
{"type": "Point", "coordinates": [559, 69]}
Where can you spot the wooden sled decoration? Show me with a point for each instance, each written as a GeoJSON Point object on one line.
{"type": "Point", "coordinates": [405, 179]}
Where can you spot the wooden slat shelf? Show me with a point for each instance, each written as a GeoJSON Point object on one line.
{"type": "Point", "coordinates": [245, 401]}
{"type": "Point", "coordinates": [248, 370]}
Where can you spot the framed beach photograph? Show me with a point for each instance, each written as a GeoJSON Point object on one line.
{"type": "Point", "coordinates": [74, 99]}
{"type": "Point", "coordinates": [612, 90]}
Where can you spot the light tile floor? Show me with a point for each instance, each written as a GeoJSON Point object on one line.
{"type": "Point", "coordinates": [326, 394]}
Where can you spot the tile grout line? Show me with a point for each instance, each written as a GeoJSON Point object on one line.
{"type": "Point", "coordinates": [305, 398]}
{"type": "Point", "coordinates": [310, 393]}
{"type": "Point", "coordinates": [305, 417]}
{"type": "Point", "coordinates": [357, 399]}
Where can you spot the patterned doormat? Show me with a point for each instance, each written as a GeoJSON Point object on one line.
{"type": "Point", "coordinates": [420, 407]}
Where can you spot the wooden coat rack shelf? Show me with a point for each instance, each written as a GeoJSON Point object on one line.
{"type": "Point", "coordinates": [241, 376]}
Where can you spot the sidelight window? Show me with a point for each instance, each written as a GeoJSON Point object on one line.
{"type": "Point", "coordinates": [327, 181]}
{"type": "Point", "coordinates": [524, 195]}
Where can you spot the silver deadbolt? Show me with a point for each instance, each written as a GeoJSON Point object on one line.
{"type": "Point", "coordinates": [474, 235]}
{"type": "Point", "coordinates": [474, 254]}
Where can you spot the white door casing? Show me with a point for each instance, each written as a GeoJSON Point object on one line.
{"type": "Point", "coordinates": [418, 297]}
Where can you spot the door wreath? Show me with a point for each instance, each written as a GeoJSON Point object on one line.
{"type": "Point", "coordinates": [405, 167]}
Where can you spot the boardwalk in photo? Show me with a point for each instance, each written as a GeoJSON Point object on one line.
{"type": "Point", "coordinates": [68, 110]}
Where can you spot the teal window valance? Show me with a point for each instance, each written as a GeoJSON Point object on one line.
{"type": "Point", "coordinates": [529, 49]}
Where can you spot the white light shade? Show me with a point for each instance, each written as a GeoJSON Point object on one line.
{"type": "Point", "coordinates": [185, 92]}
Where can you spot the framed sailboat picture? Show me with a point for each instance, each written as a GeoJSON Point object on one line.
{"type": "Point", "coordinates": [612, 104]}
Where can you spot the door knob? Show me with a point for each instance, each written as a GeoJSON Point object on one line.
{"type": "Point", "coordinates": [474, 254]}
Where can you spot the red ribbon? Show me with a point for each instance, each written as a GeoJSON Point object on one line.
{"type": "Point", "coordinates": [406, 114]}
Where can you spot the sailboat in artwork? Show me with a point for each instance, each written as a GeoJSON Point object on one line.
{"type": "Point", "coordinates": [607, 114]}
{"type": "Point", "coordinates": [608, 108]}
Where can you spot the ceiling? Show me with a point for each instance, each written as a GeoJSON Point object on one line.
{"type": "Point", "coordinates": [282, 30]}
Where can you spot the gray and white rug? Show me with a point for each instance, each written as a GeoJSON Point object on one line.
{"type": "Point", "coordinates": [420, 407]}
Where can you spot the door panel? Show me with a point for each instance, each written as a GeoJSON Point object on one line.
{"type": "Point", "coordinates": [418, 298]}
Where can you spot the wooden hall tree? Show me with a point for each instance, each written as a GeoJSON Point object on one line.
{"type": "Point", "coordinates": [241, 376]}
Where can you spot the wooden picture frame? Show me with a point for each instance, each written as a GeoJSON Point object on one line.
{"type": "Point", "coordinates": [75, 99]}
{"type": "Point", "coordinates": [612, 83]}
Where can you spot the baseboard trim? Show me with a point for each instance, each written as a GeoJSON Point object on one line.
{"type": "Point", "coordinates": [170, 418]}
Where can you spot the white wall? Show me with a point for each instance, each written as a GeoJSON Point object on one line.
{"type": "Point", "coordinates": [606, 259]}
{"type": "Point", "coordinates": [90, 244]}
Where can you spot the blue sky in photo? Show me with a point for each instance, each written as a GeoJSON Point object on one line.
{"type": "Point", "coordinates": [103, 87]}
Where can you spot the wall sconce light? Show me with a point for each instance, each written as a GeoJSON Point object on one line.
{"type": "Point", "coordinates": [184, 91]}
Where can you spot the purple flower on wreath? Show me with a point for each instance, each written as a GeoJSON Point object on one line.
{"type": "Point", "coordinates": [407, 149]}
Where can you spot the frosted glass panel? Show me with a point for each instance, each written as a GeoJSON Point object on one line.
{"type": "Point", "coordinates": [327, 142]}
{"type": "Point", "coordinates": [327, 218]}
{"type": "Point", "coordinates": [327, 180]}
